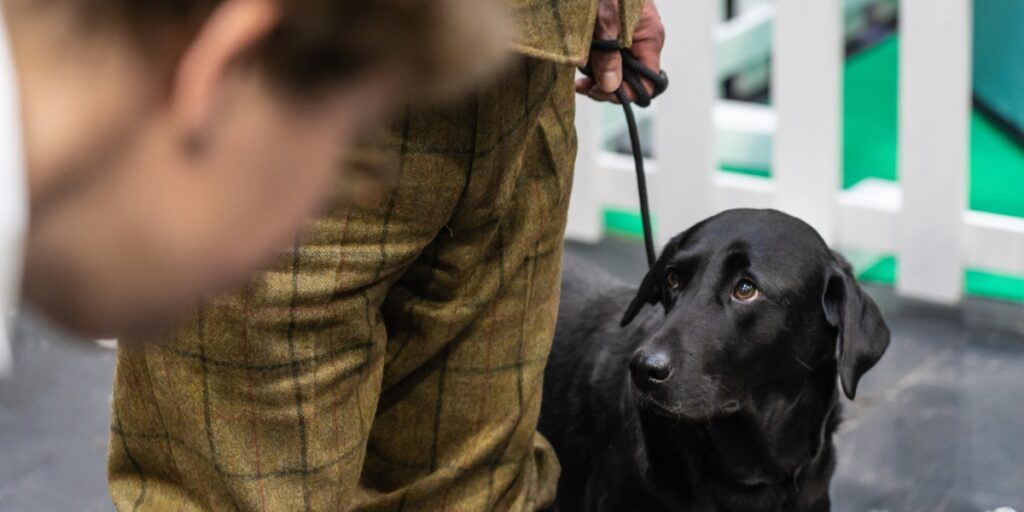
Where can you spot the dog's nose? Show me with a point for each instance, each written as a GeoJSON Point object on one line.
{"type": "Point", "coordinates": [648, 369]}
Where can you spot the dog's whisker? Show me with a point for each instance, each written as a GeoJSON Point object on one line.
{"type": "Point", "coordinates": [805, 365]}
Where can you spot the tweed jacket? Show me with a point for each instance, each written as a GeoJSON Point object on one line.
{"type": "Point", "coordinates": [561, 30]}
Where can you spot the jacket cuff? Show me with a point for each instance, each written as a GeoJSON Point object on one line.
{"type": "Point", "coordinates": [629, 17]}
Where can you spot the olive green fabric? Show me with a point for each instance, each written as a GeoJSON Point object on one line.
{"type": "Point", "coordinates": [393, 360]}
{"type": "Point", "coordinates": [561, 30]}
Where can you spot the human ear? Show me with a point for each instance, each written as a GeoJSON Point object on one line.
{"type": "Point", "coordinates": [233, 29]}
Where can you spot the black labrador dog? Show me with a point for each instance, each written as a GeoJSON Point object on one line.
{"type": "Point", "coordinates": [725, 397]}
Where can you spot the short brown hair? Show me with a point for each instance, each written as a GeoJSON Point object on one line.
{"type": "Point", "coordinates": [440, 44]}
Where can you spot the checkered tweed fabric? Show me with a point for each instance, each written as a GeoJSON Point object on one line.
{"type": "Point", "coordinates": [561, 30]}
{"type": "Point", "coordinates": [393, 359]}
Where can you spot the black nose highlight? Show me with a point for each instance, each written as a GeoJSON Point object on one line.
{"type": "Point", "coordinates": [650, 369]}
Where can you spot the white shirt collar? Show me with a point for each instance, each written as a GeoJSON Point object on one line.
{"type": "Point", "coordinates": [13, 197]}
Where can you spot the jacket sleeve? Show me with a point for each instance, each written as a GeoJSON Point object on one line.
{"type": "Point", "coordinates": [561, 30]}
{"type": "Point", "coordinates": [629, 14]}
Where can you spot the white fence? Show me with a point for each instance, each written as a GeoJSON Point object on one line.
{"type": "Point", "coordinates": [922, 219]}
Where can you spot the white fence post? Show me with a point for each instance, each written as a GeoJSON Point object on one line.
{"type": "Point", "coordinates": [934, 138]}
{"type": "Point", "coordinates": [586, 220]}
{"type": "Point", "coordinates": [683, 120]}
{"type": "Point", "coordinates": [807, 93]}
{"type": "Point", "coordinates": [13, 201]}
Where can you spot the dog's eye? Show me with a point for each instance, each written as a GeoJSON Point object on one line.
{"type": "Point", "coordinates": [673, 280]}
{"type": "Point", "coordinates": [745, 291]}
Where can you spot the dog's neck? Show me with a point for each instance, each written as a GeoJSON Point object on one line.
{"type": "Point", "coordinates": [680, 476]}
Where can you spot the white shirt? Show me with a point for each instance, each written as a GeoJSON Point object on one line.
{"type": "Point", "coordinates": [13, 198]}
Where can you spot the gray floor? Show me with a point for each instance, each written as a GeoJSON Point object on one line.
{"type": "Point", "coordinates": [54, 419]}
{"type": "Point", "coordinates": [937, 426]}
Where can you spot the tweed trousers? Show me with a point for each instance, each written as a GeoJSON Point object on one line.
{"type": "Point", "coordinates": [393, 359]}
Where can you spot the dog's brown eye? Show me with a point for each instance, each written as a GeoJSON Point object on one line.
{"type": "Point", "coordinates": [745, 291]}
{"type": "Point", "coordinates": [673, 280]}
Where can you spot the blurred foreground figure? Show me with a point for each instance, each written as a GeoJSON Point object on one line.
{"type": "Point", "coordinates": [392, 361]}
{"type": "Point", "coordinates": [158, 151]}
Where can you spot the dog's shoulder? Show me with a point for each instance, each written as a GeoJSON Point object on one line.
{"type": "Point", "coordinates": [590, 309]}
{"type": "Point", "coordinates": [581, 278]}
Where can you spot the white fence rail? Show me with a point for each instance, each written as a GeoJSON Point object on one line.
{"type": "Point", "coordinates": [922, 219]}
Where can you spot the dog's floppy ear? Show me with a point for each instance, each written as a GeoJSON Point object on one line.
{"type": "Point", "coordinates": [650, 292]}
{"type": "Point", "coordinates": [863, 334]}
{"type": "Point", "coordinates": [652, 289]}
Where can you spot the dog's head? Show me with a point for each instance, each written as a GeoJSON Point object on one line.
{"type": "Point", "coordinates": [760, 317]}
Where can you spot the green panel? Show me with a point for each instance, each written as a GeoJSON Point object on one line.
{"type": "Point", "coordinates": [624, 223]}
{"type": "Point", "coordinates": [977, 282]}
{"type": "Point", "coordinates": [870, 110]}
{"type": "Point", "coordinates": [870, 124]}
{"type": "Point", "coordinates": [748, 171]}
{"type": "Point", "coordinates": [997, 169]}
{"type": "Point", "coordinates": [882, 271]}
{"type": "Point", "coordinates": [998, 286]}
{"type": "Point", "coordinates": [998, 77]}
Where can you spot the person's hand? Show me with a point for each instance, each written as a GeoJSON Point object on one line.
{"type": "Point", "coordinates": [648, 40]}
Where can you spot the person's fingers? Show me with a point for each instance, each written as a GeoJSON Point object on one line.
{"type": "Point", "coordinates": [607, 66]}
{"type": "Point", "coordinates": [648, 40]}
{"type": "Point", "coordinates": [584, 85]}
{"type": "Point", "coordinates": [599, 95]}
{"type": "Point", "coordinates": [607, 70]}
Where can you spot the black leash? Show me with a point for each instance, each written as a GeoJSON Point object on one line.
{"type": "Point", "coordinates": [633, 73]}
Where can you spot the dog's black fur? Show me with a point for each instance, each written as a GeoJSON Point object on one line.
{"type": "Point", "coordinates": [709, 403]}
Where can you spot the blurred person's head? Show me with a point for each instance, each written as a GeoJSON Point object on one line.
{"type": "Point", "coordinates": [173, 145]}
